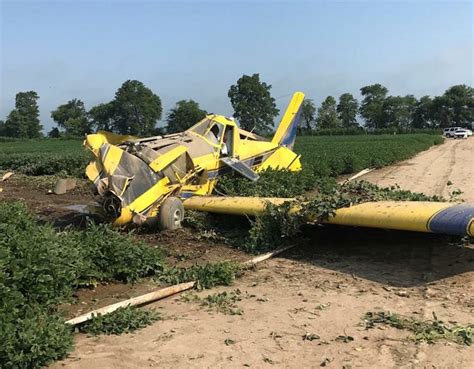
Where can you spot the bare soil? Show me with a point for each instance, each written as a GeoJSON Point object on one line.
{"type": "Point", "coordinates": [322, 287]}
{"type": "Point", "coordinates": [439, 170]}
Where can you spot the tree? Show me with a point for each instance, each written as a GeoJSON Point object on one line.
{"type": "Point", "coordinates": [371, 108]}
{"type": "Point", "coordinates": [455, 107]}
{"type": "Point", "coordinates": [72, 117]}
{"type": "Point", "coordinates": [54, 133]}
{"type": "Point", "coordinates": [136, 109]}
{"type": "Point", "coordinates": [185, 114]}
{"type": "Point", "coordinates": [253, 105]}
{"type": "Point", "coordinates": [2, 128]}
{"type": "Point", "coordinates": [347, 110]}
{"type": "Point", "coordinates": [102, 116]}
{"type": "Point", "coordinates": [327, 114]}
{"type": "Point", "coordinates": [423, 114]}
{"type": "Point", "coordinates": [308, 112]}
{"type": "Point", "coordinates": [23, 121]}
{"type": "Point", "coordinates": [398, 111]}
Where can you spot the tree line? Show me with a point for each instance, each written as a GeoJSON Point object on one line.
{"type": "Point", "coordinates": [136, 109]}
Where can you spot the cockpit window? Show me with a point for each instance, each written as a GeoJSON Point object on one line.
{"type": "Point", "coordinates": [202, 127]}
{"type": "Point", "coordinates": [215, 133]}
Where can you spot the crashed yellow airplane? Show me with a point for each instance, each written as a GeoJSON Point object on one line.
{"type": "Point", "coordinates": [143, 179]}
{"type": "Point", "coordinates": [139, 178]}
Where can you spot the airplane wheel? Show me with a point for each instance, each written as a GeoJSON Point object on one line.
{"type": "Point", "coordinates": [171, 213]}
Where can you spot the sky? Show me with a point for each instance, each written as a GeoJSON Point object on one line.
{"type": "Point", "coordinates": [86, 49]}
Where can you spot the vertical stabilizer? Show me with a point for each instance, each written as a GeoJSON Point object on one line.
{"type": "Point", "coordinates": [286, 132]}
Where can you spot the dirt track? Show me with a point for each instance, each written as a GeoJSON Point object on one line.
{"type": "Point", "coordinates": [323, 287]}
{"type": "Point", "coordinates": [438, 171]}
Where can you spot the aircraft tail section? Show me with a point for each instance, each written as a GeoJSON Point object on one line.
{"type": "Point", "coordinates": [286, 132]}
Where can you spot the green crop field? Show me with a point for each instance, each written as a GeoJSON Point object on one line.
{"type": "Point", "coordinates": [41, 157]}
{"type": "Point", "coordinates": [325, 155]}
{"type": "Point", "coordinates": [336, 155]}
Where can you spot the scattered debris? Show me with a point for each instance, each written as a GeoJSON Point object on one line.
{"type": "Point", "coordinates": [223, 302]}
{"type": "Point", "coordinates": [310, 337]}
{"type": "Point", "coordinates": [325, 362]}
{"type": "Point", "coordinates": [6, 176]}
{"type": "Point", "coordinates": [357, 175]}
{"type": "Point", "coordinates": [61, 187]}
{"type": "Point", "coordinates": [139, 300]}
{"type": "Point", "coordinates": [323, 306]}
{"type": "Point", "coordinates": [345, 339]}
{"type": "Point", "coordinates": [268, 360]}
{"type": "Point", "coordinates": [428, 331]}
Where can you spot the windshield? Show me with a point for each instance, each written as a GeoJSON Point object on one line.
{"type": "Point", "coordinates": [201, 127]}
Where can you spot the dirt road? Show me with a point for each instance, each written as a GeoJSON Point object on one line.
{"type": "Point", "coordinates": [321, 290]}
{"type": "Point", "coordinates": [438, 171]}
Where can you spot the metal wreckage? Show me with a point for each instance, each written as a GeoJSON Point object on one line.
{"type": "Point", "coordinates": [155, 179]}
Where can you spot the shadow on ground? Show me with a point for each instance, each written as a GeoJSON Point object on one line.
{"type": "Point", "coordinates": [399, 259]}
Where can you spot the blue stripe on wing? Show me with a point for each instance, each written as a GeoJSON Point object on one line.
{"type": "Point", "coordinates": [453, 220]}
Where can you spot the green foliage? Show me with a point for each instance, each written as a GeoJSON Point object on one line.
{"type": "Point", "coordinates": [454, 108]}
{"type": "Point", "coordinates": [347, 154]}
{"type": "Point", "coordinates": [123, 320]}
{"type": "Point", "coordinates": [278, 224]}
{"type": "Point", "coordinates": [347, 110]}
{"type": "Point", "coordinates": [272, 183]}
{"type": "Point", "coordinates": [253, 105]}
{"type": "Point", "coordinates": [206, 276]}
{"type": "Point", "coordinates": [428, 331]}
{"type": "Point", "coordinates": [185, 114]}
{"type": "Point", "coordinates": [102, 116]}
{"type": "Point", "coordinates": [107, 255]}
{"type": "Point", "coordinates": [31, 336]}
{"type": "Point", "coordinates": [398, 111]}
{"type": "Point", "coordinates": [136, 109]}
{"type": "Point", "coordinates": [72, 117]}
{"type": "Point", "coordinates": [44, 157]}
{"type": "Point", "coordinates": [327, 114]}
{"type": "Point", "coordinates": [269, 230]}
{"type": "Point", "coordinates": [23, 121]}
{"type": "Point", "coordinates": [423, 114]}
{"type": "Point", "coordinates": [223, 302]}
{"type": "Point", "coordinates": [308, 111]}
{"type": "Point", "coordinates": [371, 108]}
{"type": "Point", "coordinates": [40, 267]}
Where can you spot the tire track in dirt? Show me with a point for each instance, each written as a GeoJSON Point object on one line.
{"type": "Point", "coordinates": [430, 171]}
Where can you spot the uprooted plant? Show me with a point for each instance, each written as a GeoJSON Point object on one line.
{"type": "Point", "coordinates": [280, 222]}
{"type": "Point", "coordinates": [123, 320]}
{"type": "Point", "coordinates": [428, 331]}
{"type": "Point", "coordinates": [223, 302]}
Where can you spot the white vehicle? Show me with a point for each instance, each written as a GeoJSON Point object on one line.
{"type": "Point", "coordinates": [449, 132]}
{"type": "Point", "coordinates": [462, 133]}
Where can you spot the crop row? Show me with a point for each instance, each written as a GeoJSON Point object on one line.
{"type": "Point", "coordinates": [334, 155]}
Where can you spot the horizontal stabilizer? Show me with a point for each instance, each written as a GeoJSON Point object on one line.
{"type": "Point", "coordinates": [241, 168]}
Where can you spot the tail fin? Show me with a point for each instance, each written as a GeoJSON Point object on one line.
{"type": "Point", "coordinates": [286, 132]}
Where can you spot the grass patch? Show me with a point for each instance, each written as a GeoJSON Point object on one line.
{"type": "Point", "coordinates": [223, 302]}
{"type": "Point", "coordinates": [123, 320]}
{"type": "Point", "coordinates": [429, 331]}
{"type": "Point", "coordinates": [206, 276]}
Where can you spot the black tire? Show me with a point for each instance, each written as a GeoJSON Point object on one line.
{"type": "Point", "coordinates": [171, 213]}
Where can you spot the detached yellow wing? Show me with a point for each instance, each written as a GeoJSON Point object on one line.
{"type": "Point", "coordinates": [420, 216]}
